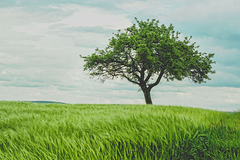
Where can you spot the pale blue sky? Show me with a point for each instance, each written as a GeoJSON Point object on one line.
{"type": "Point", "coordinates": [41, 41]}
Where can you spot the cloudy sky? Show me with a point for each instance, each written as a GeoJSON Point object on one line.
{"type": "Point", "coordinates": [41, 40]}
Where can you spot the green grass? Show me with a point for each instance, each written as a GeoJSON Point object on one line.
{"type": "Point", "coordinates": [83, 131]}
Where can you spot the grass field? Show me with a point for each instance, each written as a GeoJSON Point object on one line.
{"type": "Point", "coordinates": [33, 131]}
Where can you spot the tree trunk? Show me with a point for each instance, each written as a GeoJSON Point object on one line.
{"type": "Point", "coordinates": [147, 96]}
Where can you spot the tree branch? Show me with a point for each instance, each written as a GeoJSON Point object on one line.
{"type": "Point", "coordinates": [133, 65]}
{"type": "Point", "coordinates": [148, 77]}
{"type": "Point", "coordinates": [157, 81]}
{"type": "Point", "coordinates": [130, 80]}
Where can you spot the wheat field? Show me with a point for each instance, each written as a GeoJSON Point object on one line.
{"type": "Point", "coordinates": [33, 131]}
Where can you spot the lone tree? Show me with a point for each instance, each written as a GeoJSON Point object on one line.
{"type": "Point", "coordinates": [147, 52]}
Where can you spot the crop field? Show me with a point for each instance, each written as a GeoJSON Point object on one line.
{"type": "Point", "coordinates": [33, 131]}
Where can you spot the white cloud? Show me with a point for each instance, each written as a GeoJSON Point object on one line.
{"type": "Point", "coordinates": [227, 57]}
{"type": "Point", "coordinates": [151, 9]}
{"type": "Point", "coordinates": [135, 6]}
{"type": "Point", "coordinates": [36, 94]}
{"type": "Point", "coordinates": [84, 16]}
{"type": "Point", "coordinates": [215, 98]}
{"type": "Point", "coordinates": [9, 59]}
{"type": "Point", "coordinates": [211, 16]}
{"type": "Point", "coordinates": [33, 28]}
{"type": "Point", "coordinates": [39, 52]}
{"type": "Point", "coordinates": [4, 72]}
{"type": "Point", "coordinates": [207, 10]}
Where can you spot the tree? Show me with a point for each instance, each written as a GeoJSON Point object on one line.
{"type": "Point", "coordinates": [147, 52]}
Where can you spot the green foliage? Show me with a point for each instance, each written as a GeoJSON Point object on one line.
{"type": "Point", "coordinates": [145, 50]}
{"type": "Point", "coordinates": [81, 131]}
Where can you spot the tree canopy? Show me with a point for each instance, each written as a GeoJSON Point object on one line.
{"type": "Point", "coordinates": [145, 53]}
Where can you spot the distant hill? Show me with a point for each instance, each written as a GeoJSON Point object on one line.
{"type": "Point", "coordinates": [45, 102]}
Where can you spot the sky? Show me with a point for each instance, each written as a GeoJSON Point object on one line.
{"type": "Point", "coordinates": [41, 40]}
